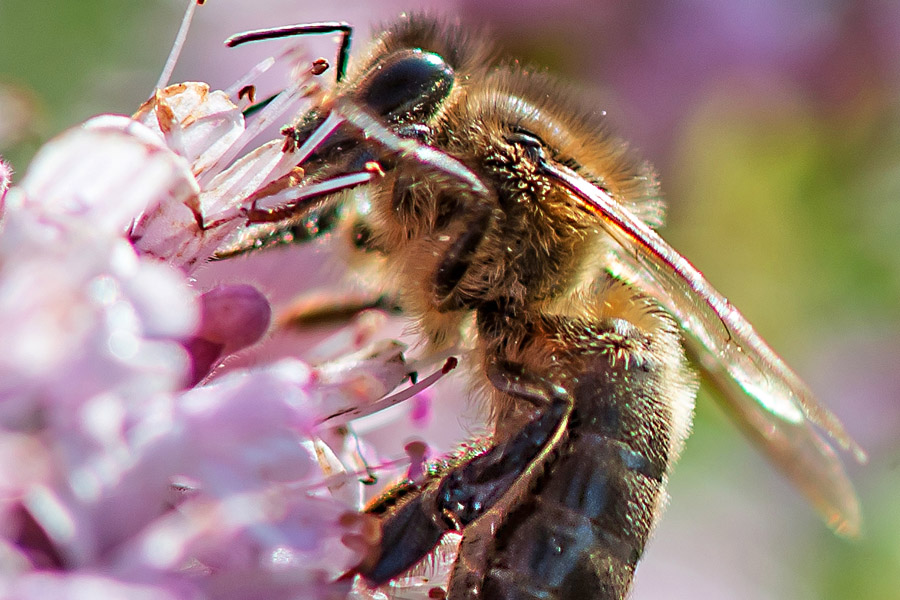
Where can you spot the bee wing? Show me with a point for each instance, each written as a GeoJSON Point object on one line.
{"type": "Point", "coordinates": [762, 394]}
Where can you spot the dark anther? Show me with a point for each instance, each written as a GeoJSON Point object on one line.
{"type": "Point", "coordinates": [319, 66]}
{"type": "Point", "coordinates": [290, 138]}
{"type": "Point", "coordinates": [249, 92]}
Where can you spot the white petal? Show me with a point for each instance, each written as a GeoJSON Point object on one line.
{"type": "Point", "coordinates": [105, 177]}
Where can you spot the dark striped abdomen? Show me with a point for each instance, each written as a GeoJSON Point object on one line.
{"type": "Point", "coordinates": [582, 528]}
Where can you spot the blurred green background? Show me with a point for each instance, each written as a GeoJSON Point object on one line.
{"type": "Point", "coordinates": [776, 132]}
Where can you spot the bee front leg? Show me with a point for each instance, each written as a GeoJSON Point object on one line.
{"type": "Point", "coordinates": [458, 258]}
{"type": "Point", "coordinates": [300, 228]}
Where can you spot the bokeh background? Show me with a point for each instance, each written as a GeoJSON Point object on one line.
{"type": "Point", "coordinates": [776, 132]}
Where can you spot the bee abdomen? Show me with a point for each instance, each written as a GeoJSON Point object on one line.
{"type": "Point", "coordinates": [584, 530]}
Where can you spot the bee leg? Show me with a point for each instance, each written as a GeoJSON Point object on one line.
{"type": "Point", "coordinates": [458, 258]}
{"type": "Point", "coordinates": [330, 309]}
{"type": "Point", "coordinates": [465, 492]}
{"type": "Point", "coordinates": [303, 227]}
{"type": "Point", "coordinates": [472, 558]}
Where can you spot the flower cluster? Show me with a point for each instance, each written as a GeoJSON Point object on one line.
{"type": "Point", "coordinates": [122, 477]}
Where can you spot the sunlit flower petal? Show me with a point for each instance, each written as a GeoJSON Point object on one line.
{"type": "Point", "coordinates": [113, 459]}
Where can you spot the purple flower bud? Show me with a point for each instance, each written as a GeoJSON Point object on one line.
{"type": "Point", "coordinates": [234, 315]}
{"type": "Point", "coordinates": [232, 318]}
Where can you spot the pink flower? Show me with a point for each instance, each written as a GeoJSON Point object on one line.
{"type": "Point", "coordinates": [120, 476]}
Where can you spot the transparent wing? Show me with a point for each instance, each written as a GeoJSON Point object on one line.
{"type": "Point", "coordinates": [769, 402]}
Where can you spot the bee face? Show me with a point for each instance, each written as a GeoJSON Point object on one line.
{"type": "Point", "coordinates": [410, 77]}
{"type": "Point", "coordinates": [506, 203]}
{"type": "Point", "coordinates": [523, 242]}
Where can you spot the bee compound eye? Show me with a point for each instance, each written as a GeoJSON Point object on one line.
{"type": "Point", "coordinates": [530, 142]}
{"type": "Point", "coordinates": [523, 137]}
{"type": "Point", "coordinates": [409, 85]}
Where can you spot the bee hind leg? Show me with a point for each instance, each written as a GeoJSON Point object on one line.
{"type": "Point", "coordinates": [468, 490]}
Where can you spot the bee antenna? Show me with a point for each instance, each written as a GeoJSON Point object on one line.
{"type": "Point", "coordinates": [345, 29]}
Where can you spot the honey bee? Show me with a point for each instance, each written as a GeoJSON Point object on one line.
{"type": "Point", "coordinates": [515, 225]}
